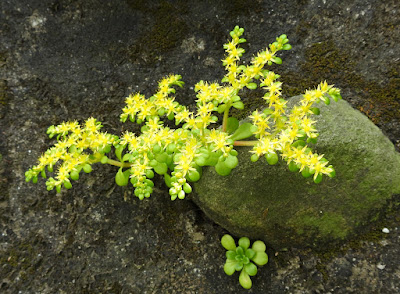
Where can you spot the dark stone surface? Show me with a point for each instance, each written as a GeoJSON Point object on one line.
{"type": "Point", "coordinates": [68, 59]}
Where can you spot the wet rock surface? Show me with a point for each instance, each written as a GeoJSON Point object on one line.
{"type": "Point", "coordinates": [65, 59]}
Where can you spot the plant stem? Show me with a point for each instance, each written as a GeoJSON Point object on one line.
{"type": "Point", "coordinates": [245, 143]}
{"type": "Point", "coordinates": [118, 163]}
{"type": "Point", "coordinates": [225, 118]}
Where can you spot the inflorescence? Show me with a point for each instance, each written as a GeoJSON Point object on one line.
{"type": "Point", "coordinates": [179, 154]}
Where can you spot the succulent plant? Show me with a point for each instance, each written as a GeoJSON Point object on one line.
{"type": "Point", "coordinates": [243, 258]}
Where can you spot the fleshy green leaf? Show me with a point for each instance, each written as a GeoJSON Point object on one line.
{"type": "Point", "coordinates": [228, 242]}
{"type": "Point", "coordinates": [244, 242]}
{"type": "Point", "coordinates": [244, 280]}
{"type": "Point", "coordinates": [122, 178]}
{"type": "Point", "coordinates": [250, 253]}
{"type": "Point", "coordinates": [251, 269]}
{"type": "Point", "coordinates": [242, 132]}
{"type": "Point", "coordinates": [193, 175]}
{"type": "Point", "coordinates": [161, 168]}
{"type": "Point", "coordinates": [87, 168]}
{"type": "Point", "coordinates": [251, 86]}
{"type": "Point", "coordinates": [260, 258]}
{"type": "Point", "coordinates": [229, 267]}
{"type": "Point", "coordinates": [222, 169]}
{"type": "Point", "coordinates": [118, 151]}
{"type": "Point", "coordinates": [259, 246]}
{"type": "Point", "coordinates": [238, 105]}
{"type": "Point", "coordinates": [232, 125]}
{"type": "Point", "coordinates": [231, 161]}
{"type": "Point", "coordinates": [230, 255]}
{"type": "Point", "coordinates": [272, 158]}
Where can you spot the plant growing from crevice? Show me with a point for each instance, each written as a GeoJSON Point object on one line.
{"type": "Point", "coordinates": [180, 154]}
{"type": "Point", "coordinates": [243, 259]}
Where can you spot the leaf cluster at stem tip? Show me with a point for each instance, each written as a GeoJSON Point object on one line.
{"type": "Point", "coordinates": [179, 154]}
{"type": "Point", "coordinates": [243, 258]}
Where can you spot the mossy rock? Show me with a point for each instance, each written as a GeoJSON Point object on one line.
{"type": "Point", "coordinates": [284, 209]}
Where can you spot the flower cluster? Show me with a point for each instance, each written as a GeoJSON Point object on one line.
{"type": "Point", "coordinates": [178, 154]}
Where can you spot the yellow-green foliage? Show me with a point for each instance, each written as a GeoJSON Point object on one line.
{"type": "Point", "coordinates": [179, 154]}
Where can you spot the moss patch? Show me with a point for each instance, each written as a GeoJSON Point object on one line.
{"type": "Point", "coordinates": [168, 30]}
{"type": "Point", "coordinates": [325, 60]}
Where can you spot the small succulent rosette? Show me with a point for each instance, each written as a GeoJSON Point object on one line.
{"type": "Point", "coordinates": [243, 258]}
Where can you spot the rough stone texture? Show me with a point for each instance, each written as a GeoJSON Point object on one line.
{"type": "Point", "coordinates": [69, 59]}
{"type": "Point", "coordinates": [284, 209]}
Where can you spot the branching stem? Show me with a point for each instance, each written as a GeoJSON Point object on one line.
{"type": "Point", "coordinates": [245, 143]}
{"type": "Point", "coordinates": [118, 163]}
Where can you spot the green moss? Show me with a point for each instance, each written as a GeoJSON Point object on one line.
{"type": "Point", "coordinates": [325, 225]}
{"type": "Point", "coordinates": [325, 61]}
{"type": "Point", "coordinates": [388, 217]}
{"type": "Point", "coordinates": [168, 30]}
{"type": "Point", "coordinates": [3, 92]}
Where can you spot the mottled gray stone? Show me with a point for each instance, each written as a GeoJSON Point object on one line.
{"type": "Point", "coordinates": [285, 209]}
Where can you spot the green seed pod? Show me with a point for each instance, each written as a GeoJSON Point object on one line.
{"type": "Point", "coordinates": [43, 174]}
{"type": "Point", "coordinates": [34, 180]}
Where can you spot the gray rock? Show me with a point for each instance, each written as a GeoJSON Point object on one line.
{"type": "Point", "coordinates": [285, 209]}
